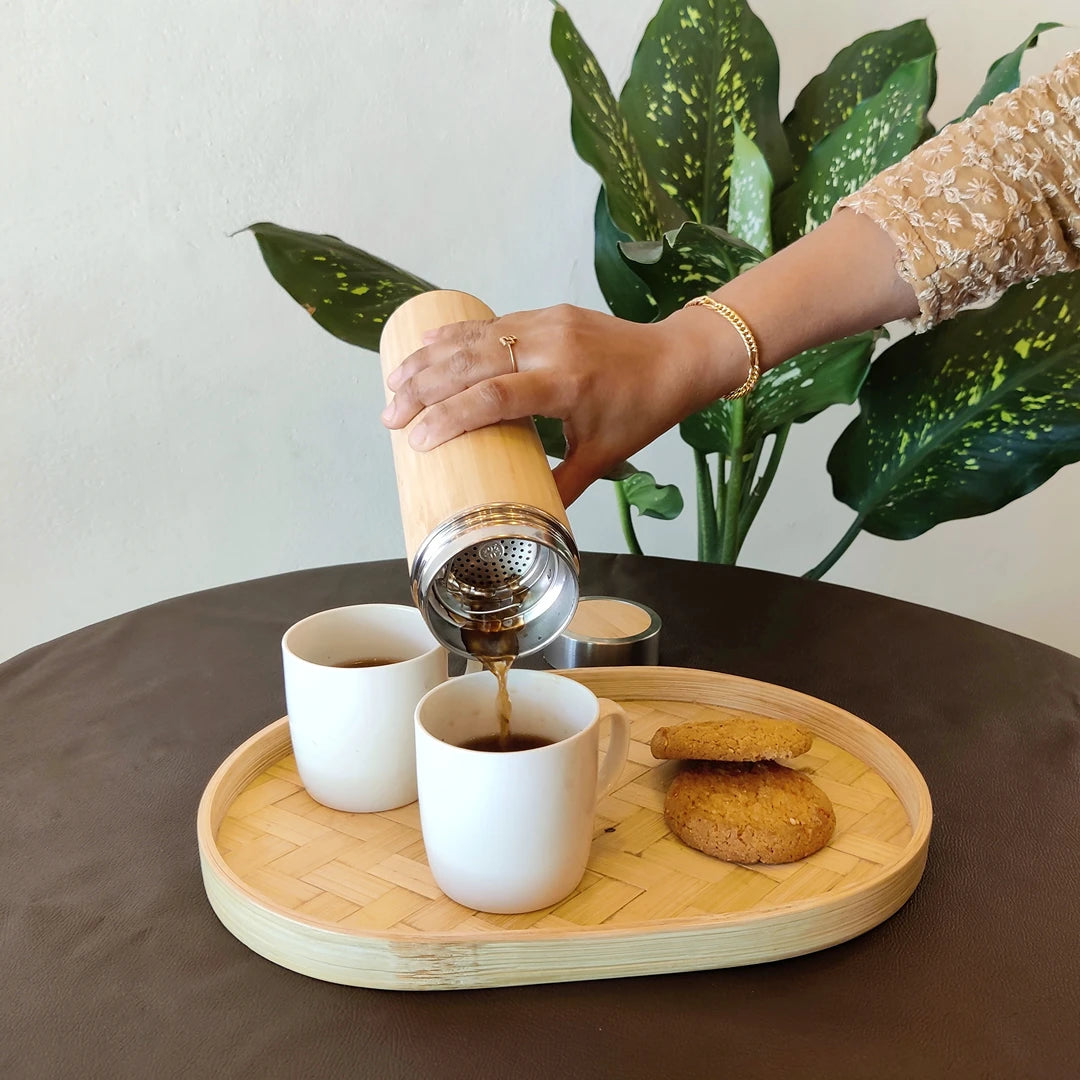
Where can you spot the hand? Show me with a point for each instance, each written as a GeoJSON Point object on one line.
{"type": "Point", "coordinates": [616, 385]}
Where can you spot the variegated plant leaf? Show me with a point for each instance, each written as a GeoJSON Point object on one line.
{"type": "Point", "coordinates": [626, 294]}
{"type": "Point", "coordinates": [792, 392]}
{"type": "Point", "coordinates": [880, 131]}
{"type": "Point", "coordinates": [603, 139]}
{"type": "Point", "coordinates": [964, 419]}
{"type": "Point", "coordinates": [345, 290]}
{"type": "Point", "coordinates": [653, 500]}
{"type": "Point", "coordinates": [809, 383]}
{"type": "Point", "coordinates": [687, 262]}
{"type": "Point", "coordinates": [749, 217]}
{"type": "Point", "coordinates": [701, 66]}
{"type": "Point", "coordinates": [1004, 72]}
{"type": "Point", "coordinates": [854, 74]}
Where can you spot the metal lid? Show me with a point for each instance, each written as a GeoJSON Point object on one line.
{"type": "Point", "coordinates": [607, 631]}
{"type": "Point", "coordinates": [497, 580]}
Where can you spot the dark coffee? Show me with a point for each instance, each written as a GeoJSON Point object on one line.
{"type": "Point", "coordinates": [499, 744]}
{"type": "Point", "coordinates": [370, 661]}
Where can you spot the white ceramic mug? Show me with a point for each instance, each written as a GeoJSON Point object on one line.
{"type": "Point", "coordinates": [352, 727]}
{"type": "Point", "coordinates": [510, 832]}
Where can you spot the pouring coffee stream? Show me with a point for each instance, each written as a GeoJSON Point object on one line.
{"type": "Point", "coordinates": [492, 561]}
{"type": "Point", "coordinates": [496, 652]}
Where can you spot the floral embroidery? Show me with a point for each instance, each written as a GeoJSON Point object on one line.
{"type": "Point", "coordinates": [979, 191]}
{"type": "Point", "coordinates": [989, 201]}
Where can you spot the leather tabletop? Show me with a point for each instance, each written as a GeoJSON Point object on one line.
{"type": "Point", "coordinates": [114, 966]}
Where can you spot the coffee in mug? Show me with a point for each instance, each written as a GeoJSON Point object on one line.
{"type": "Point", "coordinates": [376, 661]}
{"type": "Point", "coordinates": [500, 744]}
{"type": "Point", "coordinates": [511, 832]}
{"type": "Point", "coordinates": [353, 677]}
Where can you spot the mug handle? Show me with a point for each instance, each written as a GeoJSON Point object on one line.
{"type": "Point", "coordinates": [618, 746]}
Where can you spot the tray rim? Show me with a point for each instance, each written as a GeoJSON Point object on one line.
{"type": "Point", "coordinates": [624, 684]}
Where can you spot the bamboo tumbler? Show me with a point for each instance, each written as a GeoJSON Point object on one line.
{"type": "Point", "coordinates": [492, 560]}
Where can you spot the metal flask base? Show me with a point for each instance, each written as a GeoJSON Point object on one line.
{"type": "Point", "coordinates": [607, 631]}
{"type": "Point", "coordinates": [495, 581]}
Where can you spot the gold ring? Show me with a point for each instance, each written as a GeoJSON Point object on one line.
{"type": "Point", "coordinates": [510, 341]}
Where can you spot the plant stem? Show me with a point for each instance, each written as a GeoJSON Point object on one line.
{"type": "Point", "coordinates": [751, 470]}
{"type": "Point", "coordinates": [729, 544]}
{"type": "Point", "coordinates": [706, 540]}
{"type": "Point", "coordinates": [721, 472]}
{"type": "Point", "coordinates": [721, 475]}
{"type": "Point", "coordinates": [761, 488]}
{"type": "Point", "coordinates": [626, 520]}
{"type": "Point", "coordinates": [842, 545]}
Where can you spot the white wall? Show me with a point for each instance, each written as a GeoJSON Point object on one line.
{"type": "Point", "coordinates": [170, 420]}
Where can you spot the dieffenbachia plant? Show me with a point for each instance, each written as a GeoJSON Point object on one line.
{"type": "Point", "coordinates": [701, 179]}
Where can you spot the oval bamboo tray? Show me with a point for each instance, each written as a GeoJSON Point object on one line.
{"type": "Point", "coordinates": [349, 898]}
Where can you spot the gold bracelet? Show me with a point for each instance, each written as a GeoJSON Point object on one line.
{"type": "Point", "coordinates": [747, 336]}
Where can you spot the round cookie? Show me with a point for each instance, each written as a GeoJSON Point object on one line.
{"type": "Point", "coordinates": [749, 813]}
{"type": "Point", "coordinates": [740, 737]}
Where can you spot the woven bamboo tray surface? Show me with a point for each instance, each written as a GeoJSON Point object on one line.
{"type": "Point", "coordinates": [350, 898]}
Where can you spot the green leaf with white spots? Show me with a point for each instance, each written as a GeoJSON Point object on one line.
{"type": "Point", "coordinates": [701, 66]}
{"type": "Point", "coordinates": [853, 75]}
{"type": "Point", "coordinates": [751, 193]}
{"type": "Point", "coordinates": [626, 294]}
{"type": "Point", "coordinates": [603, 139]}
{"type": "Point", "coordinates": [809, 383]}
{"type": "Point", "coordinates": [792, 392]}
{"type": "Point", "coordinates": [710, 429]}
{"type": "Point", "coordinates": [1004, 72]}
{"type": "Point", "coordinates": [653, 500]}
{"type": "Point", "coordinates": [345, 290]}
{"type": "Point", "coordinates": [964, 419]}
{"type": "Point", "coordinates": [687, 262]}
{"type": "Point", "coordinates": [878, 133]}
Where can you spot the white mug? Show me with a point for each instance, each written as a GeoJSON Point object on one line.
{"type": "Point", "coordinates": [352, 727]}
{"type": "Point", "coordinates": [510, 832]}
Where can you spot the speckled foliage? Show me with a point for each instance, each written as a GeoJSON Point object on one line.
{"type": "Point", "coordinates": [700, 180]}
{"type": "Point", "coordinates": [701, 70]}
{"type": "Point", "coordinates": [986, 417]}
{"type": "Point", "coordinates": [699, 111]}
{"type": "Point", "coordinates": [345, 290]}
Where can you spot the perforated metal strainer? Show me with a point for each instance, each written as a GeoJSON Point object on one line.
{"type": "Point", "coordinates": [498, 574]}
{"type": "Point", "coordinates": [493, 565]}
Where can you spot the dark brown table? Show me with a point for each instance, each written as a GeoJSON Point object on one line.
{"type": "Point", "coordinates": [112, 964]}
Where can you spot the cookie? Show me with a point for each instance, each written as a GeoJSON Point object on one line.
{"type": "Point", "coordinates": [749, 813]}
{"type": "Point", "coordinates": [740, 737]}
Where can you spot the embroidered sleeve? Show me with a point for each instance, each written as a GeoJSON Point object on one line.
{"type": "Point", "coordinates": [989, 201]}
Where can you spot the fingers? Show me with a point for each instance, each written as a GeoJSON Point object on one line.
{"type": "Point", "coordinates": [440, 379]}
{"type": "Point", "coordinates": [438, 343]}
{"type": "Point", "coordinates": [507, 397]}
{"type": "Point", "coordinates": [458, 356]}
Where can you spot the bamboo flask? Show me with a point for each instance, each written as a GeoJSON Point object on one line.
{"type": "Point", "coordinates": [493, 564]}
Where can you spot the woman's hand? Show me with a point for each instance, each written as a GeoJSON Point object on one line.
{"type": "Point", "coordinates": [616, 385]}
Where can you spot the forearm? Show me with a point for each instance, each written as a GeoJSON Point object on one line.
{"type": "Point", "coordinates": [841, 279]}
{"type": "Point", "coordinates": [986, 203]}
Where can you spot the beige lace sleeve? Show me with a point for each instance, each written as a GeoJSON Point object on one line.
{"type": "Point", "coordinates": [990, 201]}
